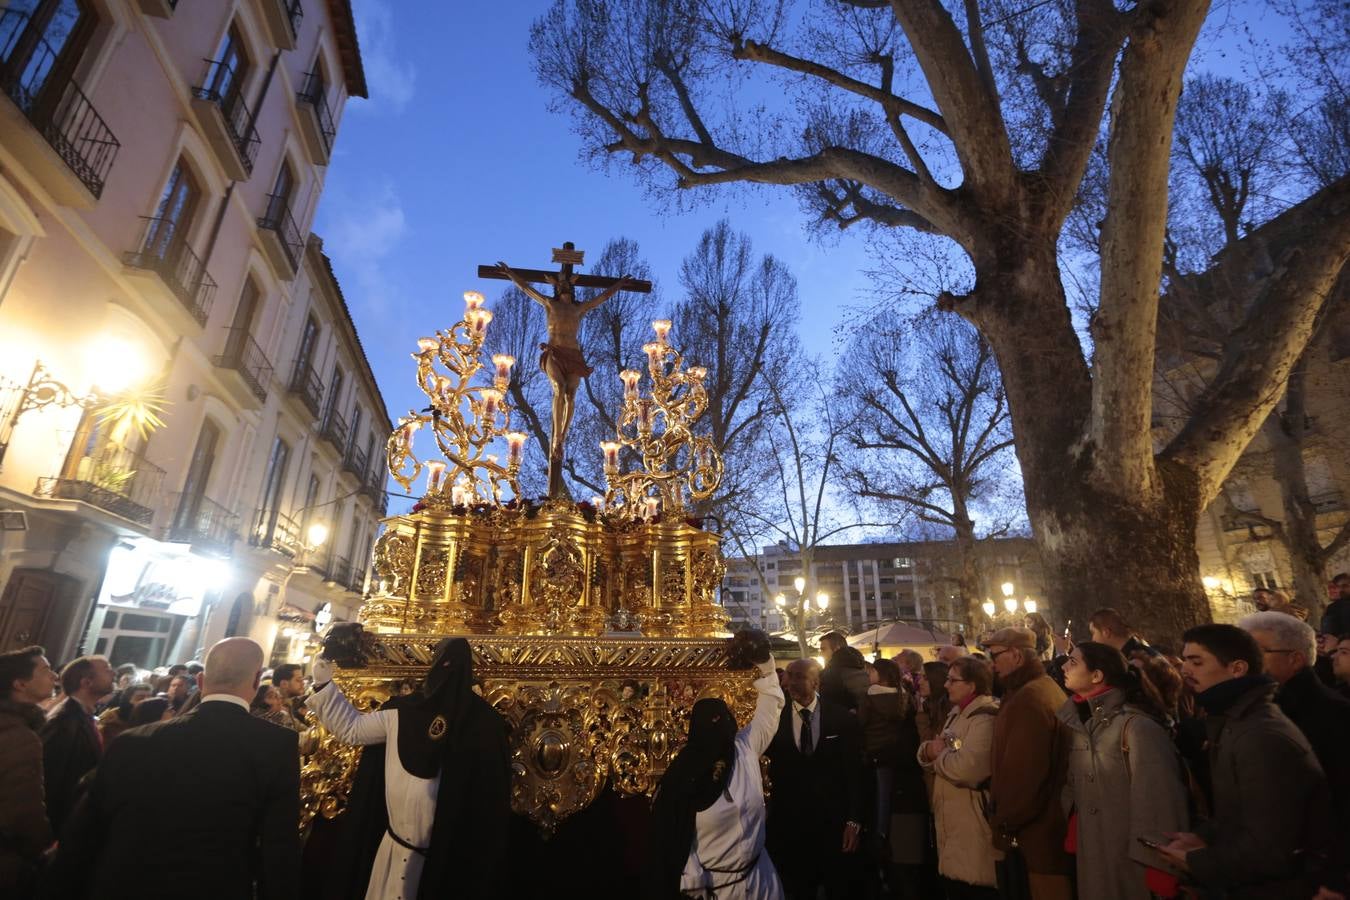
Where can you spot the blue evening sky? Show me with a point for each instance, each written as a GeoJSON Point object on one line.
{"type": "Point", "coordinates": [455, 160]}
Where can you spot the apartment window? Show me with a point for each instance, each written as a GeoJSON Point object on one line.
{"type": "Point", "coordinates": [356, 425]}
{"type": "Point", "coordinates": [198, 475]}
{"type": "Point", "coordinates": [284, 187]}
{"type": "Point", "coordinates": [275, 480]}
{"type": "Point", "coordinates": [335, 391]}
{"type": "Point", "coordinates": [41, 42]}
{"type": "Point", "coordinates": [173, 217]}
{"type": "Point", "coordinates": [304, 359]}
{"type": "Point", "coordinates": [232, 65]}
{"type": "Point", "coordinates": [250, 299]}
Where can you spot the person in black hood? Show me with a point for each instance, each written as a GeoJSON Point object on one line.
{"type": "Point", "coordinates": [707, 824]}
{"type": "Point", "coordinates": [441, 829]}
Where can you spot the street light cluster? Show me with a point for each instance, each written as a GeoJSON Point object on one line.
{"type": "Point", "coordinates": [1010, 603]}
{"type": "Point", "coordinates": [803, 603]}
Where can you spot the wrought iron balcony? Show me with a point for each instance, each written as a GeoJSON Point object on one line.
{"type": "Point", "coordinates": [113, 478]}
{"type": "Point", "coordinates": [282, 239]}
{"type": "Point", "coordinates": [174, 262]}
{"type": "Point", "coordinates": [220, 89]}
{"type": "Point", "coordinates": [319, 130]}
{"type": "Point", "coordinates": [355, 462]}
{"type": "Point", "coordinates": [61, 113]}
{"type": "Point", "coordinates": [335, 429]}
{"type": "Point", "coordinates": [340, 571]}
{"type": "Point", "coordinates": [243, 355]}
{"type": "Point", "coordinates": [306, 385]}
{"type": "Point", "coordinates": [273, 531]}
{"type": "Point", "coordinates": [203, 523]}
{"type": "Point", "coordinates": [357, 582]}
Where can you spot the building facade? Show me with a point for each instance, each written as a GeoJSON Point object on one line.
{"type": "Point", "coordinates": [874, 583]}
{"type": "Point", "coordinates": [185, 409]}
{"type": "Point", "coordinates": [1238, 536]}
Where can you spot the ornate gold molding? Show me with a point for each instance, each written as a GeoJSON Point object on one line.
{"type": "Point", "coordinates": [572, 727]}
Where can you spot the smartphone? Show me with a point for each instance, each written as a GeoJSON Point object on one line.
{"type": "Point", "coordinates": [1150, 843]}
{"type": "Point", "coordinates": [1067, 626]}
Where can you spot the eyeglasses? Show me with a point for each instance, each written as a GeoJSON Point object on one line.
{"type": "Point", "coordinates": [951, 680]}
{"type": "Point", "coordinates": [995, 654]}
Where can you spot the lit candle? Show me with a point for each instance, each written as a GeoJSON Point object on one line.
{"type": "Point", "coordinates": [442, 383]}
{"type": "Point", "coordinates": [478, 321]}
{"type": "Point", "coordinates": [698, 373]}
{"type": "Point", "coordinates": [611, 450]}
{"type": "Point", "coordinates": [654, 353]}
{"type": "Point", "coordinates": [435, 469]}
{"type": "Point", "coordinates": [653, 507]}
{"type": "Point", "coordinates": [503, 362]}
{"type": "Point", "coordinates": [427, 345]}
{"type": "Point", "coordinates": [409, 429]}
{"type": "Point", "coordinates": [515, 444]}
{"type": "Point", "coordinates": [491, 398]}
{"type": "Point", "coordinates": [630, 379]}
{"type": "Point", "coordinates": [472, 300]}
{"type": "Point", "coordinates": [597, 501]}
{"type": "Point", "coordinates": [662, 328]}
{"type": "Point", "coordinates": [645, 409]}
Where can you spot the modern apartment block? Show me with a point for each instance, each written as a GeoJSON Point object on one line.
{"type": "Point", "coordinates": [872, 583]}
{"type": "Point", "coordinates": [183, 396]}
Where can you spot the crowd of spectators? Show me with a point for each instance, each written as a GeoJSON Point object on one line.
{"type": "Point", "coordinates": [1210, 764]}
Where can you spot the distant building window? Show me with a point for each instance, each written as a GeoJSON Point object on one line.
{"type": "Point", "coordinates": [902, 562]}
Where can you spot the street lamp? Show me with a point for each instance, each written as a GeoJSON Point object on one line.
{"type": "Point", "coordinates": [797, 611]}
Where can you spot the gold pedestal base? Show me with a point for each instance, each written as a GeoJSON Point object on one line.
{"type": "Point", "coordinates": [582, 711]}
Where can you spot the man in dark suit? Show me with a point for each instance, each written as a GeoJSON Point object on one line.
{"type": "Point", "coordinates": [71, 745]}
{"type": "Point", "coordinates": [227, 784]}
{"type": "Point", "coordinates": [816, 803]}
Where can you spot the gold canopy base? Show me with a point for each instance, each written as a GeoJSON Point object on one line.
{"type": "Point", "coordinates": [582, 712]}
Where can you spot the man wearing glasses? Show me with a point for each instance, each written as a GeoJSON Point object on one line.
{"type": "Point", "coordinates": [1289, 649]}
{"type": "Point", "coordinates": [1029, 761]}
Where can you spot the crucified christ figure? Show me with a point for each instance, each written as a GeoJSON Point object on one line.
{"type": "Point", "coordinates": [560, 358]}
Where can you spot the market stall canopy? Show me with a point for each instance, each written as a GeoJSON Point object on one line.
{"type": "Point", "coordinates": [898, 636]}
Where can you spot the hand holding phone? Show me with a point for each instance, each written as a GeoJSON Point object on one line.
{"type": "Point", "coordinates": [1150, 843]}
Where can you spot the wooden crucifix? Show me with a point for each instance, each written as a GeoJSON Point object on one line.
{"type": "Point", "coordinates": [560, 359]}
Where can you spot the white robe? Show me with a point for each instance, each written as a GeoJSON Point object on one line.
{"type": "Point", "coordinates": [729, 835]}
{"type": "Point", "coordinates": [410, 801]}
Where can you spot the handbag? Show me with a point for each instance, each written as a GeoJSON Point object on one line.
{"type": "Point", "coordinates": [1011, 873]}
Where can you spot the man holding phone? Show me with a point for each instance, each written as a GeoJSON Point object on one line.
{"type": "Point", "coordinates": [1271, 812]}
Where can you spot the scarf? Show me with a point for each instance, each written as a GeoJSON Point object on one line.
{"type": "Point", "coordinates": [1217, 699]}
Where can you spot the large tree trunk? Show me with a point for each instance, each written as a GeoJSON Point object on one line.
{"type": "Point", "coordinates": [1135, 553]}
{"type": "Point", "coordinates": [968, 571]}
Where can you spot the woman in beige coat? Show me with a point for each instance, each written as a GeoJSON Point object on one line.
{"type": "Point", "coordinates": [960, 761]}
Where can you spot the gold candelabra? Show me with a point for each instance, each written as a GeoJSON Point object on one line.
{"type": "Point", "coordinates": [659, 429]}
{"type": "Point", "coordinates": [464, 418]}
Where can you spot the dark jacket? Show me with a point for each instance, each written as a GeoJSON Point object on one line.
{"type": "Point", "coordinates": [1336, 617]}
{"type": "Point", "coordinates": [24, 830]}
{"type": "Point", "coordinates": [844, 681]}
{"type": "Point", "coordinates": [1030, 757]}
{"type": "Point", "coordinates": [1324, 718]}
{"type": "Point", "coordinates": [71, 747]}
{"type": "Point", "coordinates": [813, 796]}
{"type": "Point", "coordinates": [1270, 803]}
{"type": "Point", "coordinates": [228, 786]}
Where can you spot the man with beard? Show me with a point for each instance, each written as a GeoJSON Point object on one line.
{"type": "Point", "coordinates": [447, 785]}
